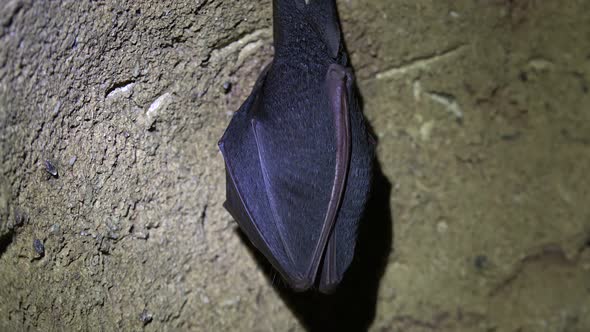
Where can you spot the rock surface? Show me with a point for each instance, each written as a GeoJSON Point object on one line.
{"type": "Point", "coordinates": [480, 221]}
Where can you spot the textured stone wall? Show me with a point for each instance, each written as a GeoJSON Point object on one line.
{"type": "Point", "coordinates": [111, 184]}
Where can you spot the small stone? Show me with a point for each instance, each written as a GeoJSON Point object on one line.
{"type": "Point", "coordinates": [39, 247]}
{"type": "Point", "coordinates": [227, 87]}
{"type": "Point", "coordinates": [141, 235]}
{"type": "Point", "coordinates": [442, 227]}
{"type": "Point", "coordinates": [113, 232]}
{"type": "Point", "coordinates": [54, 229]}
{"type": "Point", "coordinates": [104, 246]}
{"type": "Point", "coordinates": [145, 317]}
{"type": "Point", "coordinates": [481, 262]}
{"type": "Point", "coordinates": [19, 219]}
{"type": "Point", "coordinates": [50, 168]}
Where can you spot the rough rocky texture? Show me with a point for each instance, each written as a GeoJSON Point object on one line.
{"type": "Point", "coordinates": [111, 183]}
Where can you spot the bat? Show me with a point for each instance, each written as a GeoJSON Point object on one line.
{"type": "Point", "coordinates": [298, 156]}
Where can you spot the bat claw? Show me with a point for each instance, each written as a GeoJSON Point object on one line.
{"type": "Point", "coordinates": [337, 71]}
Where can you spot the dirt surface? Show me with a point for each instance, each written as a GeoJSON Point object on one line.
{"type": "Point", "coordinates": [111, 183]}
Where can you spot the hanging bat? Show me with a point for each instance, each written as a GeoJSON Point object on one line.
{"type": "Point", "coordinates": [298, 157]}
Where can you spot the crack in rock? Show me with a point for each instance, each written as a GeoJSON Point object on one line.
{"type": "Point", "coordinates": [420, 62]}
{"type": "Point", "coordinates": [449, 102]}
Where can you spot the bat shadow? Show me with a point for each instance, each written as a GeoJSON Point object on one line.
{"type": "Point", "coordinates": [352, 305]}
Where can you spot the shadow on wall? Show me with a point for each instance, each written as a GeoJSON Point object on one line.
{"type": "Point", "coordinates": [352, 306]}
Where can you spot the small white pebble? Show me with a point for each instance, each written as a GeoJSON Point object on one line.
{"type": "Point", "coordinates": [204, 299]}
{"type": "Point", "coordinates": [442, 227]}
{"type": "Point", "coordinates": [158, 104]}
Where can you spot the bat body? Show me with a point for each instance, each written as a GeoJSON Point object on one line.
{"type": "Point", "coordinates": [297, 154]}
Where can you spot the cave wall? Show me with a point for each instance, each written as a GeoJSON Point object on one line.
{"type": "Point", "coordinates": [111, 183]}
